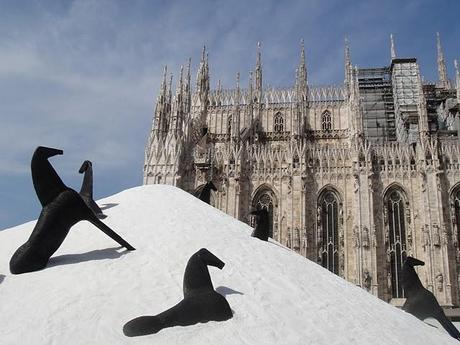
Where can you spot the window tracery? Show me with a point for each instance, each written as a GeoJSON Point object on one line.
{"type": "Point", "coordinates": [279, 122]}
{"type": "Point", "coordinates": [326, 121]}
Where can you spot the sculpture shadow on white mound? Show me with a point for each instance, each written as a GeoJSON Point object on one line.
{"type": "Point", "coordinates": [94, 255]}
{"type": "Point", "coordinates": [107, 206]}
{"type": "Point", "coordinates": [225, 291]}
{"type": "Point", "coordinates": [2, 278]}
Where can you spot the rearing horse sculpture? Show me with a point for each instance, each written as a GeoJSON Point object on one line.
{"type": "Point", "coordinates": [201, 303]}
{"type": "Point", "coordinates": [419, 301]}
{"type": "Point", "coordinates": [62, 208]}
{"type": "Point", "coordinates": [86, 190]}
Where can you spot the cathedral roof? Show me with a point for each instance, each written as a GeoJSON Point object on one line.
{"type": "Point", "coordinates": [279, 95]}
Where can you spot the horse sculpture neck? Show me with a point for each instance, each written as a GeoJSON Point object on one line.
{"type": "Point", "coordinates": [87, 185]}
{"type": "Point", "coordinates": [47, 183]}
{"type": "Point", "coordinates": [410, 280]}
{"type": "Point", "coordinates": [196, 276]}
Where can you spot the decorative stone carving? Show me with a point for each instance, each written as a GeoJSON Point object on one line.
{"type": "Point", "coordinates": [436, 236]}
{"type": "Point", "coordinates": [365, 238]}
{"type": "Point", "coordinates": [425, 237]}
{"type": "Point", "coordinates": [355, 183]}
{"type": "Point", "coordinates": [374, 236]}
{"type": "Point", "coordinates": [367, 279]}
{"type": "Point", "coordinates": [356, 236]}
{"type": "Point", "coordinates": [389, 282]}
{"type": "Point", "coordinates": [439, 281]}
{"type": "Point", "coordinates": [305, 238]}
{"type": "Point", "coordinates": [444, 235]}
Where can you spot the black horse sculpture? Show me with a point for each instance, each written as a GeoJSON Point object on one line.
{"type": "Point", "coordinates": [201, 302]}
{"type": "Point", "coordinates": [419, 301]}
{"type": "Point", "coordinates": [86, 191]}
{"type": "Point", "coordinates": [262, 229]}
{"type": "Point", "coordinates": [204, 192]}
{"type": "Point", "coordinates": [62, 208]}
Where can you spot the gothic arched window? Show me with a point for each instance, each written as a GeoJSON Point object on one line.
{"type": "Point", "coordinates": [328, 231]}
{"type": "Point", "coordinates": [279, 122]}
{"type": "Point", "coordinates": [326, 121]}
{"type": "Point", "coordinates": [395, 238]}
{"type": "Point", "coordinates": [229, 125]}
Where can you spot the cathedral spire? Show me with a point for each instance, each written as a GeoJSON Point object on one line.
{"type": "Point", "coordinates": [250, 89]}
{"type": "Point", "coordinates": [442, 72]}
{"type": "Point", "coordinates": [180, 85]}
{"type": "Point", "coordinates": [258, 72]}
{"type": "Point", "coordinates": [392, 47]}
{"type": "Point", "coordinates": [202, 83]}
{"type": "Point", "coordinates": [238, 87]}
{"type": "Point", "coordinates": [170, 89]}
{"type": "Point", "coordinates": [457, 80]}
{"type": "Point", "coordinates": [301, 75]}
{"type": "Point", "coordinates": [162, 105]}
{"type": "Point", "coordinates": [423, 114]}
{"type": "Point", "coordinates": [236, 115]}
{"type": "Point", "coordinates": [202, 78]}
{"type": "Point", "coordinates": [187, 89]}
{"type": "Point", "coordinates": [176, 117]}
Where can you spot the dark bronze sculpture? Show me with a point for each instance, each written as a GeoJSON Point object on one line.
{"type": "Point", "coordinates": [262, 225]}
{"type": "Point", "coordinates": [86, 191]}
{"type": "Point", "coordinates": [204, 192]}
{"type": "Point", "coordinates": [201, 302]}
{"type": "Point", "coordinates": [419, 301]}
{"type": "Point", "coordinates": [62, 208]}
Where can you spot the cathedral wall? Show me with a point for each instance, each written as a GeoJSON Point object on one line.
{"type": "Point", "coordinates": [338, 111]}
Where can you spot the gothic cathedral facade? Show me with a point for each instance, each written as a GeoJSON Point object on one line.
{"type": "Point", "coordinates": [355, 177]}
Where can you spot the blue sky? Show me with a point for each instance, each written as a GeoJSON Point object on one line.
{"type": "Point", "coordinates": [83, 75]}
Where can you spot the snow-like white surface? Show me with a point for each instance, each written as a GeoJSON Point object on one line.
{"type": "Point", "coordinates": [92, 287]}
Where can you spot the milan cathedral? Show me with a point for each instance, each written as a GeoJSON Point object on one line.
{"type": "Point", "coordinates": [355, 177]}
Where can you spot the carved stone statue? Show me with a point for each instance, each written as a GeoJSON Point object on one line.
{"type": "Point", "coordinates": [439, 281]}
{"type": "Point", "coordinates": [425, 237]}
{"type": "Point", "coordinates": [367, 279]}
{"type": "Point", "coordinates": [356, 236]}
{"type": "Point", "coordinates": [365, 237]}
{"type": "Point", "coordinates": [436, 236]}
{"type": "Point", "coordinates": [389, 281]}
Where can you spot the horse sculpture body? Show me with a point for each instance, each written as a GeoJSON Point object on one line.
{"type": "Point", "coordinates": [204, 192]}
{"type": "Point", "coordinates": [201, 302]}
{"type": "Point", "coordinates": [262, 230]}
{"type": "Point", "coordinates": [419, 301]}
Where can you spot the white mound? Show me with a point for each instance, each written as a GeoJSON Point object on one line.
{"type": "Point", "coordinates": [92, 287]}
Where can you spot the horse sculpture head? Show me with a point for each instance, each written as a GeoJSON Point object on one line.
{"type": "Point", "coordinates": [85, 166]}
{"type": "Point", "coordinates": [410, 261]}
{"type": "Point", "coordinates": [209, 259]}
